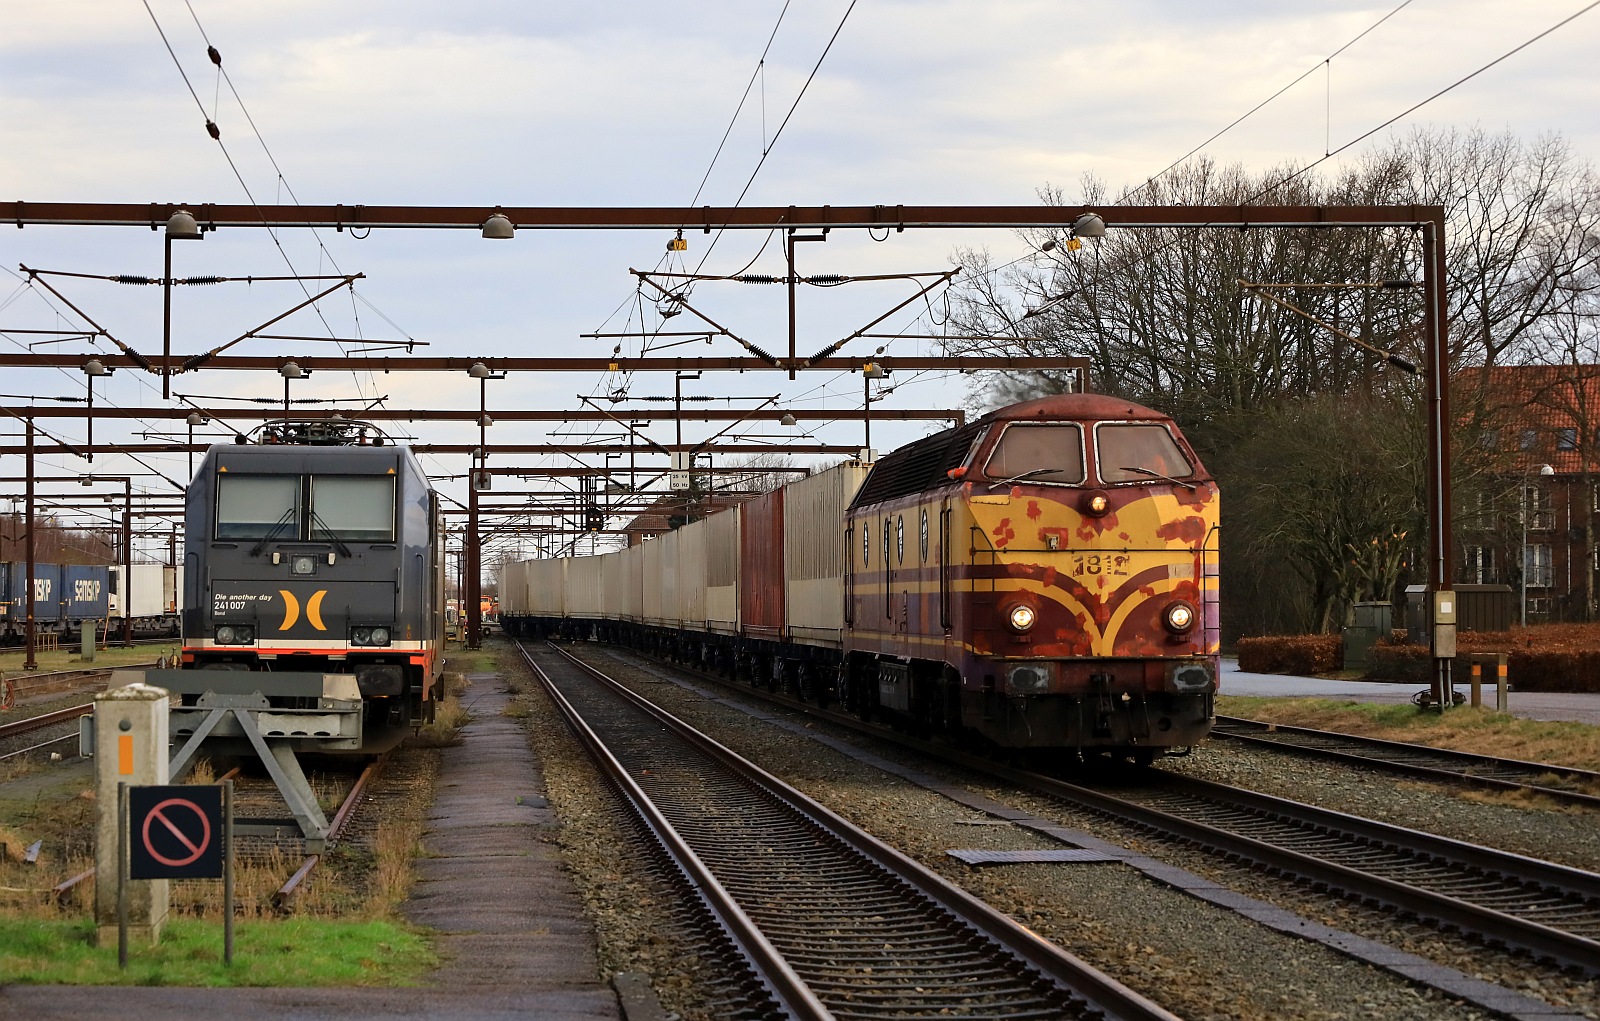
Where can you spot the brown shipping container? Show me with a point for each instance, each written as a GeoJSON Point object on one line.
{"type": "Point", "coordinates": [721, 533]}
{"type": "Point", "coordinates": [761, 566]}
{"type": "Point", "coordinates": [814, 523]}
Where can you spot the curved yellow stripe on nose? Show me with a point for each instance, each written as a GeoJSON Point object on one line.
{"type": "Point", "coordinates": [314, 609]}
{"type": "Point", "coordinates": [291, 609]}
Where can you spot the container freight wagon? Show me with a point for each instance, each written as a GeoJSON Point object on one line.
{"type": "Point", "coordinates": [756, 589]}
{"type": "Point", "coordinates": [65, 598]}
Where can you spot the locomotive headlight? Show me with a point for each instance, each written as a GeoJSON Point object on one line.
{"type": "Point", "coordinates": [1022, 617]}
{"type": "Point", "coordinates": [369, 636]}
{"type": "Point", "coordinates": [1096, 504]}
{"type": "Point", "coordinates": [302, 564]}
{"type": "Point", "coordinates": [1179, 617]}
{"type": "Point", "coordinates": [235, 634]}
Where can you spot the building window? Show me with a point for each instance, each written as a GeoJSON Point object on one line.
{"type": "Point", "coordinates": [1528, 440]}
{"type": "Point", "coordinates": [1489, 439]}
{"type": "Point", "coordinates": [1537, 500]}
{"type": "Point", "coordinates": [1480, 565]}
{"type": "Point", "coordinates": [1538, 566]}
{"type": "Point", "coordinates": [1566, 439]}
{"type": "Point", "coordinates": [1539, 604]}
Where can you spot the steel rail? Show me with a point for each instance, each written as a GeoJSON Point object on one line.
{"type": "Point", "coordinates": [1384, 756]}
{"type": "Point", "coordinates": [769, 965]}
{"type": "Point", "coordinates": [1070, 973]}
{"type": "Point", "coordinates": [292, 885]}
{"type": "Point", "coordinates": [32, 723]}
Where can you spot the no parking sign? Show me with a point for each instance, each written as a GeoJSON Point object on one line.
{"type": "Point", "coordinates": [175, 832]}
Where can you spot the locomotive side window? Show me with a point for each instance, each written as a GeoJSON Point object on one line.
{"type": "Point", "coordinates": [258, 506]}
{"type": "Point", "coordinates": [1139, 452]}
{"type": "Point", "coordinates": [355, 508]}
{"type": "Point", "coordinates": [1038, 452]}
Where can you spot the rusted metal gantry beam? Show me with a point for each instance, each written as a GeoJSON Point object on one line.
{"type": "Point", "coordinates": [516, 448]}
{"type": "Point", "coordinates": [212, 216]}
{"type": "Point", "coordinates": [264, 412]}
{"type": "Point", "coordinates": [384, 363]}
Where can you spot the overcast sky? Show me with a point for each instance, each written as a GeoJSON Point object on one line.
{"type": "Point", "coordinates": [625, 103]}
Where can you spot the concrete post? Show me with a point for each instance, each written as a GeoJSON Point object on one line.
{"type": "Point", "coordinates": [130, 747]}
{"type": "Point", "coordinates": [91, 641]}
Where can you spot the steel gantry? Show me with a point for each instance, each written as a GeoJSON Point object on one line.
{"type": "Point", "coordinates": [1428, 220]}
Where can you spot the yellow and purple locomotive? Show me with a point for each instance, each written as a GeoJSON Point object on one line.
{"type": "Point", "coordinates": [1044, 577]}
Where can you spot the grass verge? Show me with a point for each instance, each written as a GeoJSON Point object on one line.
{"type": "Point", "coordinates": [291, 952]}
{"type": "Point", "coordinates": [1463, 728]}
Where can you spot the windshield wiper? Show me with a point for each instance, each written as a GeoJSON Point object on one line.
{"type": "Point", "coordinates": [1165, 478]}
{"type": "Point", "coordinates": [273, 532]}
{"type": "Point", "coordinates": [338, 543]}
{"type": "Point", "coordinates": [1024, 475]}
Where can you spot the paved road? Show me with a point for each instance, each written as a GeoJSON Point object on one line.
{"type": "Point", "coordinates": [1535, 705]}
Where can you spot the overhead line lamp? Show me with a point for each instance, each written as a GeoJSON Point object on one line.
{"type": "Point", "coordinates": [1089, 225]}
{"type": "Point", "coordinates": [499, 228]}
{"type": "Point", "coordinates": [181, 226]}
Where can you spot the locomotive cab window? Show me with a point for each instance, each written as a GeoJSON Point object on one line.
{"type": "Point", "coordinates": [1139, 452]}
{"type": "Point", "coordinates": [354, 508]}
{"type": "Point", "coordinates": [1038, 452]}
{"type": "Point", "coordinates": [258, 506]}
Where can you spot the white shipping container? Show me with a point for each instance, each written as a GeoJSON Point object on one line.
{"type": "Point", "coordinates": [722, 571]}
{"type": "Point", "coordinates": [813, 552]}
{"type": "Point", "coordinates": [150, 593]}
{"type": "Point", "coordinates": [689, 606]}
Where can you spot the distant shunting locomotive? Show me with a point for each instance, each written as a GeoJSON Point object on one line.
{"type": "Point", "coordinates": [1045, 578]}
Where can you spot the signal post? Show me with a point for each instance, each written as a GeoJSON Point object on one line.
{"type": "Point", "coordinates": [130, 750]}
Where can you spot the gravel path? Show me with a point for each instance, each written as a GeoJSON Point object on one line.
{"type": "Point", "coordinates": [1197, 960]}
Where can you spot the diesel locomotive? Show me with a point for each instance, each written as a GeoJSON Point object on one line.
{"type": "Point", "coordinates": [1042, 579]}
{"type": "Point", "coordinates": [315, 548]}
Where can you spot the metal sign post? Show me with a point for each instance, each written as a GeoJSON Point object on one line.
{"type": "Point", "coordinates": [180, 832]}
{"type": "Point", "coordinates": [122, 876]}
{"type": "Point", "coordinates": [227, 872]}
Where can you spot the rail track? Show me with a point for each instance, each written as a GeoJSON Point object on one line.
{"type": "Point", "coordinates": [1547, 910]}
{"type": "Point", "coordinates": [1559, 783]}
{"type": "Point", "coordinates": [20, 730]}
{"type": "Point", "coordinates": [1503, 900]}
{"type": "Point", "coordinates": [826, 921]}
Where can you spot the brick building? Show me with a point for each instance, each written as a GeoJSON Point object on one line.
{"type": "Point", "coordinates": [1528, 514]}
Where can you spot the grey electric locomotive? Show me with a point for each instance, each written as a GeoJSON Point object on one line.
{"type": "Point", "coordinates": [315, 549]}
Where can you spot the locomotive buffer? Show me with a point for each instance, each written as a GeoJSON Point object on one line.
{"type": "Point", "coordinates": [225, 711]}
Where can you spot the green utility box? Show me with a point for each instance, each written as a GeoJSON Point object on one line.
{"type": "Point", "coordinates": [1371, 622]}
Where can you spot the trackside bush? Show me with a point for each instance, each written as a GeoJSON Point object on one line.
{"type": "Point", "coordinates": [1291, 654]}
{"type": "Point", "coordinates": [1548, 657]}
